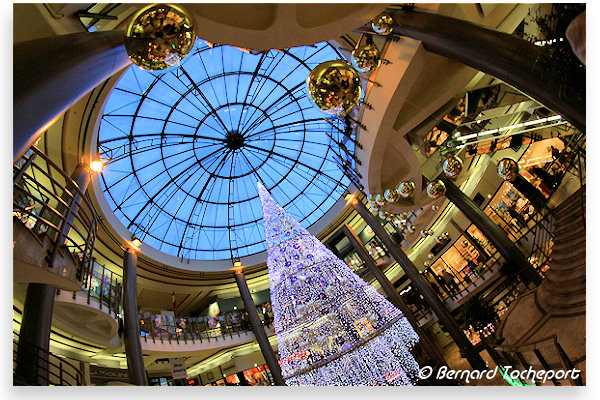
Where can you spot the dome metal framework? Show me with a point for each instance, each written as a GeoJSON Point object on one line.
{"type": "Point", "coordinates": [185, 148]}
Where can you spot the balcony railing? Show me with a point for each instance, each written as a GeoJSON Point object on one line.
{"type": "Point", "coordinates": [49, 203]}
{"type": "Point", "coordinates": [158, 327]}
{"type": "Point", "coordinates": [47, 370]}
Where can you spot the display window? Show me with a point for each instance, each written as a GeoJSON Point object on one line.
{"type": "Point", "coordinates": [541, 164]}
{"type": "Point", "coordinates": [354, 261]}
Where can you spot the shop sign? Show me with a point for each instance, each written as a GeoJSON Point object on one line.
{"type": "Point", "coordinates": [178, 368]}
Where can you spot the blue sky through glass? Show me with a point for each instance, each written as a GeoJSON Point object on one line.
{"type": "Point", "coordinates": [187, 147]}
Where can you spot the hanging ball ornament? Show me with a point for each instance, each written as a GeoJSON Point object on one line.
{"type": "Point", "coordinates": [159, 36]}
{"type": "Point", "coordinates": [430, 256]}
{"type": "Point", "coordinates": [436, 189]}
{"type": "Point", "coordinates": [452, 166]}
{"type": "Point", "coordinates": [435, 208]}
{"type": "Point", "coordinates": [426, 264]}
{"type": "Point", "coordinates": [412, 228]}
{"type": "Point", "coordinates": [382, 214]}
{"type": "Point", "coordinates": [406, 189]}
{"type": "Point", "coordinates": [464, 243]}
{"type": "Point", "coordinates": [383, 24]}
{"type": "Point", "coordinates": [391, 195]}
{"type": "Point", "coordinates": [334, 87]}
{"type": "Point", "coordinates": [380, 200]}
{"type": "Point", "coordinates": [445, 235]}
{"type": "Point", "coordinates": [423, 234]}
{"type": "Point", "coordinates": [366, 58]}
{"type": "Point", "coordinates": [439, 239]}
{"type": "Point", "coordinates": [430, 232]}
{"type": "Point", "coordinates": [374, 207]}
{"type": "Point", "coordinates": [508, 169]}
{"type": "Point", "coordinates": [371, 198]}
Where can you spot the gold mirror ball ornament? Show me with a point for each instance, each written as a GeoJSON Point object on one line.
{"type": "Point", "coordinates": [380, 200]}
{"type": "Point", "coordinates": [439, 239]}
{"type": "Point", "coordinates": [436, 189]}
{"type": "Point", "coordinates": [366, 58]}
{"type": "Point", "coordinates": [423, 234]}
{"type": "Point", "coordinates": [412, 228]}
{"type": "Point", "coordinates": [508, 169]}
{"type": "Point", "coordinates": [334, 87]}
{"type": "Point", "coordinates": [391, 195]}
{"type": "Point", "coordinates": [406, 189]}
{"type": "Point", "coordinates": [464, 243]}
{"type": "Point", "coordinates": [383, 24]}
{"type": "Point", "coordinates": [430, 256]}
{"type": "Point", "coordinates": [426, 264]}
{"type": "Point", "coordinates": [452, 166]}
{"type": "Point", "coordinates": [159, 36]}
{"type": "Point", "coordinates": [371, 198]}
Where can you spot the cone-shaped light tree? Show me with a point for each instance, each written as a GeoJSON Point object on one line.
{"type": "Point", "coordinates": [332, 327]}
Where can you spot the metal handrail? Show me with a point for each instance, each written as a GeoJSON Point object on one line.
{"type": "Point", "coordinates": [517, 350]}
{"type": "Point", "coordinates": [193, 328]}
{"type": "Point", "coordinates": [47, 370]}
{"type": "Point", "coordinates": [53, 208]}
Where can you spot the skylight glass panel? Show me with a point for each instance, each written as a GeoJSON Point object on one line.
{"type": "Point", "coordinates": [186, 148]}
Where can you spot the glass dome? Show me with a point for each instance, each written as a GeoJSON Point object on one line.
{"type": "Point", "coordinates": [185, 149]}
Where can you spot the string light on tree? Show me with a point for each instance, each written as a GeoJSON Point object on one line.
{"type": "Point", "coordinates": [332, 327]}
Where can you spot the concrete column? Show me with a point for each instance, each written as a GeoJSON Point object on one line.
{"type": "Point", "coordinates": [34, 336]}
{"type": "Point", "coordinates": [51, 74]}
{"type": "Point", "coordinates": [258, 329]}
{"type": "Point", "coordinates": [496, 53]}
{"type": "Point", "coordinates": [493, 232]}
{"type": "Point", "coordinates": [393, 296]}
{"type": "Point", "coordinates": [466, 348]}
{"type": "Point", "coordinates": [131, 328]}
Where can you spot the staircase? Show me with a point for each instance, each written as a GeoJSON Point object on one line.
{"type": "Point", "coordinates": [556, 308]}
{"type": "Point", "coordinates": [563, 291]}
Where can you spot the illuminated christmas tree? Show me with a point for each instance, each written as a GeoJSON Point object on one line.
{"type": "Point", "coordinates": [332, 327]}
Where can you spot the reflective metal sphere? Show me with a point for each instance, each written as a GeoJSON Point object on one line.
{"type": "Point", "coordinates": [435, 208]}
{"type": "Point", "coordinates": [374, 207]}
{"type": "Point", "coordinates": [334, 87]}
{"type": "Point", "coordinates": [379, 199]}
{"type": "Point", "coordinates": [445, 235]}
{"type": "Point", "coordinates": [464, 243]}
{"type": "Point", "coordinates": [426, 264]}
{"type": "Point", "coordinates": [438, 239]}
{"type": "Point", "coordinates": [424, 234]}
{"type": "Point", "coordinates": [159, 36]}
{"type": "Point", "coordinates": [412, 228]}
{"type": "Point", "coordinates": [383, 24]}
{"type": "Point", "coordinates": [452, 166]}
{"type": "Point", "coordinates": [430, 232]}
{"type": "Point", "coordinates": [406, 189]}
{"type": "Point", "coordinates": [391, 195]}
{"type": "Point", "coordinates": [508, 169]}
{"type": "Point", "coordinates": [403, 223]}
{"type": "Point", "coordinates": [371, 198]}
{"type": "Point", "coordinates": [430, 256]}
{"type": "Point", "coordinates": [366, 58]}
{"type": "Point", "coordinates": [436, 189]}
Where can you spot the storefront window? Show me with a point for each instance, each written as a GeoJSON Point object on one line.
{"type": "Point", "coordinates": [375, 249]}
{"type": "Point", "coordinates": [510, 210]}
{"type": "Point", "coordinates": [541, 166]}
{"type": "Point", "coordinates": [353, 261]}
{"type": "Point", "coordinates": [481, 240]}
